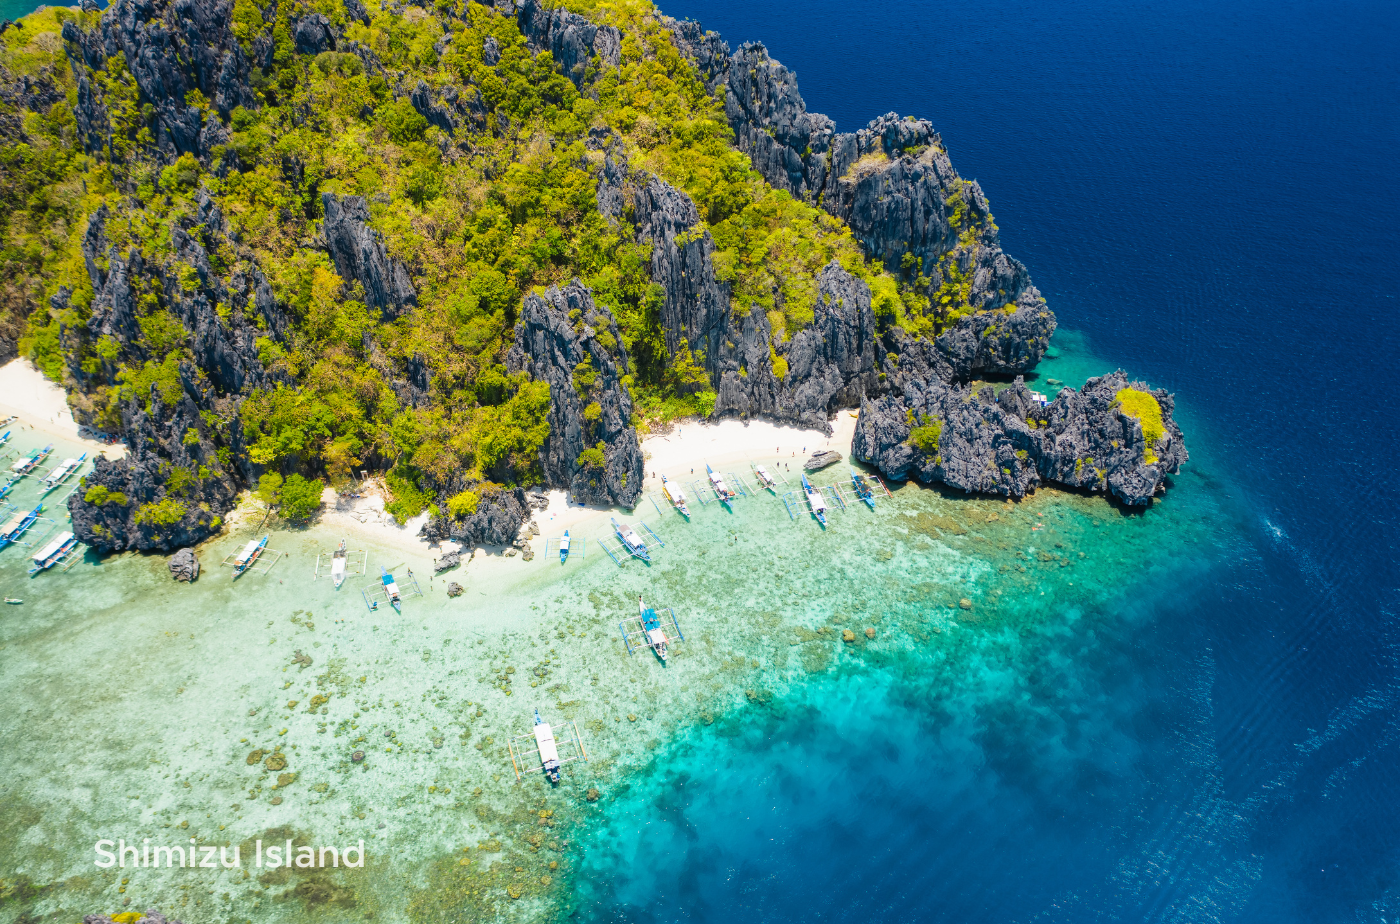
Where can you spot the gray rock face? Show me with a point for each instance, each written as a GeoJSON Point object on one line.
{"type": "Point", "coordinates": [892, 182]}
{"type": "Point", "coordinates": [821, 459]}
{"type": "Point", "coordinates": [360, 256]}
{"type": "Point", "coordinates": [566, 340]}
{"type": "Point", "coordinates": [184, 566]}
{"type": "Point", "coordinates": [450, 560]}
{"type": "Point", "coordinates": [1007, 444]}
{"type": "Point", "coordinates": [496, 521]}
{"type": "Point", "coordinates": [167, 63]}
{"type": "Point", "coordinates": [454, 589]}
{"type": "Point", "coordinates": [572, 39]}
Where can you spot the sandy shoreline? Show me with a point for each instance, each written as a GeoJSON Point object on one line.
{"type": "Point", "coordinates": [728, 445]}
{"type": "Point", "coordinates": [41, 405]}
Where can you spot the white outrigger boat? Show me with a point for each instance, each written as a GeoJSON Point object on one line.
{"type": "Point", "coordinates": [765, 479]}
{"type": "Point", "coordinates": [717, 482]}
{"type": "Point", "coordinates": [814, 501]}
{"type": "Point", "coordinates": [30, 462]}
{"type": "Point", "coordinates": [552, 752]}
{"type": "Point", "coordinates": [16, 527]}
{"type": "Point", "coordinates": [244, 560]}
{"type": "Point", "coordinates": [338, 561]}
{"type": "Point", "coordinates": [675, 495]}
{"type": "Point", "coordinates": [54, 552]}
{"type": "Point", "coordinates": [631, 542]}
{"type": "Point", "coordinates": [63, 472]}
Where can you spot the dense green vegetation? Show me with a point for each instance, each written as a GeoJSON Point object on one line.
{"type": "Point", "coordinates": [925, 433]}
{"type": "Point", "coordinates": [1143, 407]}
{"type": "Point", "coordinates": [480, 219]}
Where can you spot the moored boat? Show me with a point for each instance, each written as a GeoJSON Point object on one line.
{"type": "Point", "coordinates": [391, 589]}
{"type": "Point", "coordinates": [63, 472]}
{"type": "Point", "coordinates": [53, 553]}
{"type": "Point", "coordinates": [564, 548]}
{"type": "Point", "coordinates": [651, 627]}
{"type": "Point", "coordinates": [767, 480]}
{"type": "Point", "coordinates": [814, 501]}
{"type": "Point", "coordinates": [675, 495]}
{"type": "Point", "coordinates": [17, 525]}
{"type": "Point", "coordinates": [631, 541]}
{"type": "Point", "coordinates": [717, 481]}
{"type": "Point", "coordinates": [863, 489]}
{"type": "Point", "coordinates": [249, 554]}
{"type": "Point", "coordinates": [30, 462]}
{"type": "Point", "coordinates": [549, 749]}
{"type": "Point", "coordinates": [338, 561]}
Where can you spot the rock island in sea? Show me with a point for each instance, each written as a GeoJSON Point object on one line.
{"type": "Point", "coordinates": [480, 249]}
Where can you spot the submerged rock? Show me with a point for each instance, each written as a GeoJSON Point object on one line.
{"type": "Point", "coordinates": [184, 566]}
{"type": "Point", "coordinates": [454, 589]}
{"type": "Point", "coordinates": [821, 459]}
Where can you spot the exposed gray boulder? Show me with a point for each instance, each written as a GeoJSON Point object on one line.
{"type": "Point", "coordinates": [821, 459]}
{"type": "Point", "coordinates": [565, 339]}
{"type": "Point", "coordinates": [360, 256]}
{"type": "Point", "coordinates": [184, 566]}
{"type": "Point", "coordinates": [454, 589]}
{"type": "Point", "coordinates": [450, 560]}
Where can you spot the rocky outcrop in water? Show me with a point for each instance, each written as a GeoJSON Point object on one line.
{"type": "Point", "coordinates": [821, 459]}
{"type": "Point", "coordinates": [360, 256]}
{"type": "Point", "coordinates": [565, 339]}
{"type": "Point", "coordinates": [450, 560]}
{"type": "Point", "coordinates": [1009, 444]}
{"type": "Point", "coordinates": [184, 566]}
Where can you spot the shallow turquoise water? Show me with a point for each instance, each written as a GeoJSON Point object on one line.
{"type": "Point", "coordinates": [134, 702]}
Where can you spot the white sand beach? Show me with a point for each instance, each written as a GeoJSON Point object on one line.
{"type": "Point", "coordinates": [731, 444]}
{"type": "Point", "coordinates": [41, 405]}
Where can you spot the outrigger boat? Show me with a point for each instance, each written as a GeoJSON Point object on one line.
{"type": "Point", "coordinates": [814, 501]}
{"type": "Point", "coordinates": [53, 553]}
{"type": "Point", "coordinates": [863, 489]}
{"type": "Point", "coordinates": [11, 531]}
{"type": "Point", "coordinates": [30, 462]}
{"type": "Point", "coordinates": [564, 548]}
{"type": "Point", "coordinates": [717, 481]}
{"type": "Point", "coordinates": [764, 478]}
{"type": "Point", "coordinates": [244, 560]}
{"type": "Point", "coordinates": [64, 471]}
{"type": "Point", "coordinates": [631, 541]}
{"type": "Point", "coordinates": [338, 561]}
{"type": "Point", "coordinates": [549, 751]}
{"type": "Point", "coordinates": [13, 601]}
{"type": "Point", "coordinates": [651, 626]}
{"type": "Point", "coordinates": [4, 437]}
{"type": "Point", "coordinates": [6, 488]}
{"type": "Point", "coordinates": [675, 495]}
{"type": "Point", "coordinates": [391, 589]}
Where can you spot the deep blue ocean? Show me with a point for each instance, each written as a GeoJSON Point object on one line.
{"type": "Point", "coordinates": [1206, 194]}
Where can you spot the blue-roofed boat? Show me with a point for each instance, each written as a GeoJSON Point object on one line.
{"type": "Point", "coordinates": [564, 548]}
{"type": "Point", "coordinates": [391, 588]}
{"type": "Point", "coordinates": [863, 489]}
{"type": "Point", "coordinates": [651, 627]}
{"type": "Point", "coordinates": [815, 501]}
{"type": "Point", "coordinates": [631, 541]}
{"type": "Point", "coordinates": [4, 437]}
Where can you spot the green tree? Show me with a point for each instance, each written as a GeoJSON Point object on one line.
{"type": "Point", "coordinates": [300, 498]}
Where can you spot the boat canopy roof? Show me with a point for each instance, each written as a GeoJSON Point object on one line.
{"type": "Point", "coordinates": [52, 548]}
{"type": "Point", "coordinates": [656, 636]}
{"type": "Point", "coordinates": [544, 738]}
{"type": "Point", "coordinates": [12, 524]}
{"type": "Point", "coordinates": [817, 502]}
{"type": "Point", "coordinates": [248, 550]}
